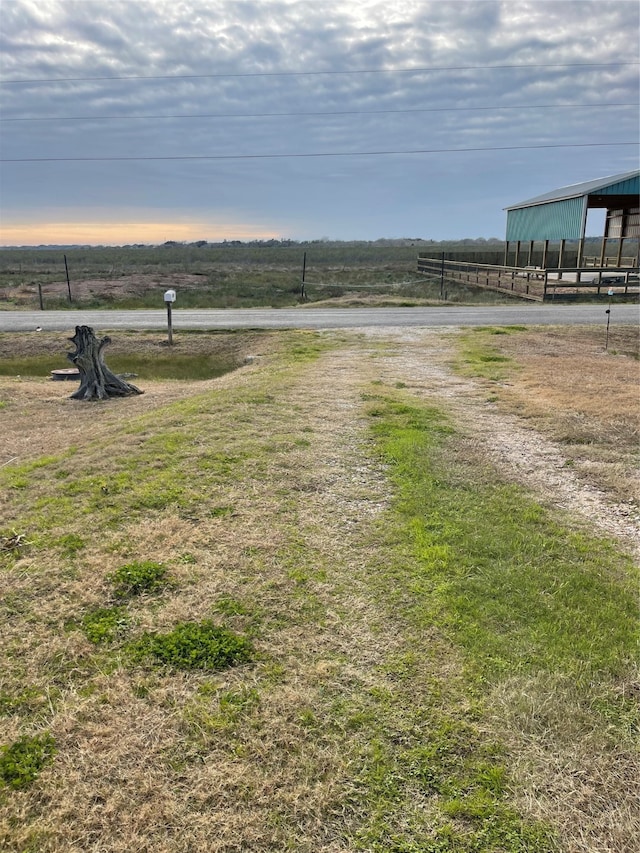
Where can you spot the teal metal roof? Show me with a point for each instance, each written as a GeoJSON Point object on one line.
{"type": "Point", "coordinates": [562, 213]}
{"type": "Point", "coordinates": [627, 183]}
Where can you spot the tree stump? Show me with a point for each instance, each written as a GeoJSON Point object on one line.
{"type": "Point", "coordinates": [97, 382]}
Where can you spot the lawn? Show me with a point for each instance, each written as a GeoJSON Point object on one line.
{"type": "Point", "coordinates": [296, 607]}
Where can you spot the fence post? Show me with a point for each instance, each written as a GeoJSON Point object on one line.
{"type": "Point", "coordinates": [66, 269]}
{"type": "Point", "coordinates": [304, 271]}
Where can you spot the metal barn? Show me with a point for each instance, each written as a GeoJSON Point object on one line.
{"type": "Point", "coordinates": [561, 216]}
{"type": "Point", "coordinates": [547, 254]}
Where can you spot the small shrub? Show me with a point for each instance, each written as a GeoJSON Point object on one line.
{"type": "Point", "coordinates": [138, 577]}
{"type": "Point", "coordinates": [194, 645]}
{"type": "Point", "coordinates": [22, 761]}
{"type": "Point", "coordinates": [103, 624]}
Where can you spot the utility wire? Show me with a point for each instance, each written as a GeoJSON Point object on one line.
{"type": "Point", "coordinates": [428, 69]}
{"type": "Point", "coordinates": [309, 155]}
{"type": "Point", "coordinates": [323, 113]}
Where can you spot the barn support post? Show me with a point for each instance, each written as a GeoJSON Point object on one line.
{"type": "Point", "coordinates": [603, 251]}
{"type": "Point", "coordinates": [530, 255]}
{"type": "Point", "coordinates": [517, 259]}
{"type": "Point", "coordinates": [561, 254]}
{"type": "Point", "coordinates": [506, 254]}
{"type": "Point", "coordinates": [545, 253]}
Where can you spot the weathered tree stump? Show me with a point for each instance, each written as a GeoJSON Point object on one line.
{"type": "Point", "coordinates": [97, 382]}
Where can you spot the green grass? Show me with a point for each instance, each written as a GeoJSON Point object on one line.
{"type": "Point", "coordinates": [480, 358]}
{"type": "Point", "coordinates": [161, 366]}
{"type": "Point", "coordinates": [70, 544]}
{"type": "Point", "coordinates": [513, 592]}
{"type": "Point", "coordinates": [513, 586]}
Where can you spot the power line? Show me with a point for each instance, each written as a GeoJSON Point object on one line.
{"type": "Point", "coordinates": [184, 157]}
{"type": "Point", "coordinates": [322, 113]}
{"type": "Point", "coordinates": [420, 70]}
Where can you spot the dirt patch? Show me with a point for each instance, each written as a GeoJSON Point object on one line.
{"type": "Point", "coordinates": [112, 288]}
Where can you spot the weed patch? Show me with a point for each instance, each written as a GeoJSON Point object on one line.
{"type": "Point", "coordinates": [193, 645]}
{"type": "Point", "coordinates": [104, 624]}
{"type": "Point", "coordinates": [22, 761]}
{"type": "Point", "coordinates": [138, 577]}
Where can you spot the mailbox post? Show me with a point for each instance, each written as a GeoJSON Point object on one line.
{"type": "Point", "coordinates": [608, 313]}
{"type": "Point", "coordinates": [169, 298]}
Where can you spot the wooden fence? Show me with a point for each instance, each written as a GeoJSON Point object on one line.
{"type": "Point", "coordinates": [534, 282]}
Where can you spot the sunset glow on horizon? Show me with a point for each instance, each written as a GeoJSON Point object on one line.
{"type": "Point", "coordinates": [124, 233]}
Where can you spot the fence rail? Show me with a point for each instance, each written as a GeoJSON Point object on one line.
{"type": "Point", "coordinates": [534, 283]}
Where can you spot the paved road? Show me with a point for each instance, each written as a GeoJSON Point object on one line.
{"type": "Point", "coordinates": [320, 318]}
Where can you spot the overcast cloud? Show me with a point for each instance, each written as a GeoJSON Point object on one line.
{"type": "Point", "coordinates": [248, 85]}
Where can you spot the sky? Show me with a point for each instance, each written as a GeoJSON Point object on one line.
{"type": "Point", "coordinates": [143, 121]}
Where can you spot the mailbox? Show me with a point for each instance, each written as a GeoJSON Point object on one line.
{"type": "Point", "coordinates": [170, 296]}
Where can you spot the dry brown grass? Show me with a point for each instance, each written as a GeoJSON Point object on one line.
{"type": "Point", "coordinates": [586, 778]}
{"type": "Point", "coordinates": [149, 760]}
{"type": "Point", "coordinates": [582, 396]}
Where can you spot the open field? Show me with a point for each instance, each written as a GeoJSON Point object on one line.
{"type": "Point", "coordinates": [372, 590]}
{"type": "Point", "coordinates": [222, 276]}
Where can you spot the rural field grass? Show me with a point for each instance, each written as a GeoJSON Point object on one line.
{"type": "Point", "coordinates": [306, 605]}
{"type": "Point", "coordinates": [233, 276]}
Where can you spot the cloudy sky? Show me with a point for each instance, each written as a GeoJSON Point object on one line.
{"type": "Point", "coordinates": [154, 120]}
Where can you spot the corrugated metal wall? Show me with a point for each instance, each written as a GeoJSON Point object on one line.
{"type": "Point", "coordinates": [557, 220]}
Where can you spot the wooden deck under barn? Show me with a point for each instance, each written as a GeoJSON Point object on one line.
{"type": "Point", "coordinates": [536, 283]}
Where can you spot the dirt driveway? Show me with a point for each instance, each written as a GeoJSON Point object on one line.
{"type": "Point", "coordinates": [565, 425]}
